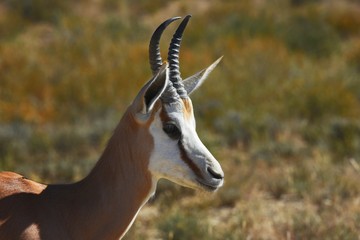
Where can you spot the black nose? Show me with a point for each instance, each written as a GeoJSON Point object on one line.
{"type": "Point", "coordinates": [215, 174]}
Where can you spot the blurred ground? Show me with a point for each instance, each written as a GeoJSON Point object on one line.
{"type": "Point", "coordinates": [281, 112]}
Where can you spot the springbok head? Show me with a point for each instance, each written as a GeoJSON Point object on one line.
{"type": "Point", "coordinates": [164, 105]}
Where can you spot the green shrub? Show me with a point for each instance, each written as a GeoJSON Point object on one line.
{"type": "Point", "coordinates": [38, 10]}
{"type": "Point", "coordinates": [343, 139]}
{"type": "Point", "coordinates": [184, 225]}
{"type": "Point", "coordinates": [313, 36]}
{"type": "Point", "coordinates": [318, 99]}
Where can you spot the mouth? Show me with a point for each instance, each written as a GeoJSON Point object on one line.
{"type": "Point", "coordinates": [213, 181]}
{"type": "Point", "coordinates": [210, 187]}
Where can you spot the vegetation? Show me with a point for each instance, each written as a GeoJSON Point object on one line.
{"type": "Point", "coordinates": [281, 112]}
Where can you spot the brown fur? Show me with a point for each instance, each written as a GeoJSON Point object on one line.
{"type": "Point", "coordinates": [101, 206]}
{"type": "Point", "coordinates": [188, 108]}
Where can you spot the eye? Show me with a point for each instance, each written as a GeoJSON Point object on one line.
{"type": "Point", "coordinates": [171, 130]}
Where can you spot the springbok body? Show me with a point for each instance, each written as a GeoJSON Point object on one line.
{"type": "Point", "coordinates": [156, 138]}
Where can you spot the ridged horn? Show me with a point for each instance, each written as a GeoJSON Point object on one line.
{"type": "Point", "coordinates": [154, 46]}
{"type": "Point", "coordinates": [173, 58]}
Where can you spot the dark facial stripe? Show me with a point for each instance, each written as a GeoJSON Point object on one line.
{"type": "Point", "coordinates": [183, 154]}
{"type": "Point", "coordinates": [188, 161]}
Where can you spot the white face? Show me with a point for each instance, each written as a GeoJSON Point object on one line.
{"type": "Point", "coordinates": [179, 155]}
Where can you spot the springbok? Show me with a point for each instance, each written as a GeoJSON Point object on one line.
{"type": "Point", "coordinates": [156, 138]}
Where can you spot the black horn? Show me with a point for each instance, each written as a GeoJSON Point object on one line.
{"type": "Point", "coordinates": [173, 58]}
{"type": "Point", "coordinates": [154, 48]}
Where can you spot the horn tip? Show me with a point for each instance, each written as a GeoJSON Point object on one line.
{"type": "Point", "coordinates": [187, 18]}
{"type": "Point", "coordinates": [175, 18]}
{"type": "Point", "coordinates": [170, 20]}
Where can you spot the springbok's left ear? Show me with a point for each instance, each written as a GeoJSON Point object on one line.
{"type": "Point", "coordinates": [193, 82]}
{"type": "Point", "coordinates": [150, 93]}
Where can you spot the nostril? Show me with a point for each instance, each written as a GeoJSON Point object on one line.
{"type": "Point", "coordinates": [215, 174]}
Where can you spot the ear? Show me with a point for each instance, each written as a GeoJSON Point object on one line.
{"type": "Point", "coordinates": [193, 82]}
{"type": "Point", "coordinates": [151, 92]}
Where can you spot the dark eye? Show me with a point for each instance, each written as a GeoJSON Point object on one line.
{"type": "Point", "coordinates": [172, 130]}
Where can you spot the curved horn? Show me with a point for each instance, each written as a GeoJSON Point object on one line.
{"type": "Point", "coordinates": [173, 58]}
{"type": "Point", "coordinates": [154, 48]}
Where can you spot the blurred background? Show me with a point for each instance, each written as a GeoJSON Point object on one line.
{"type": "Point", "coordinates": [281, 112]}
